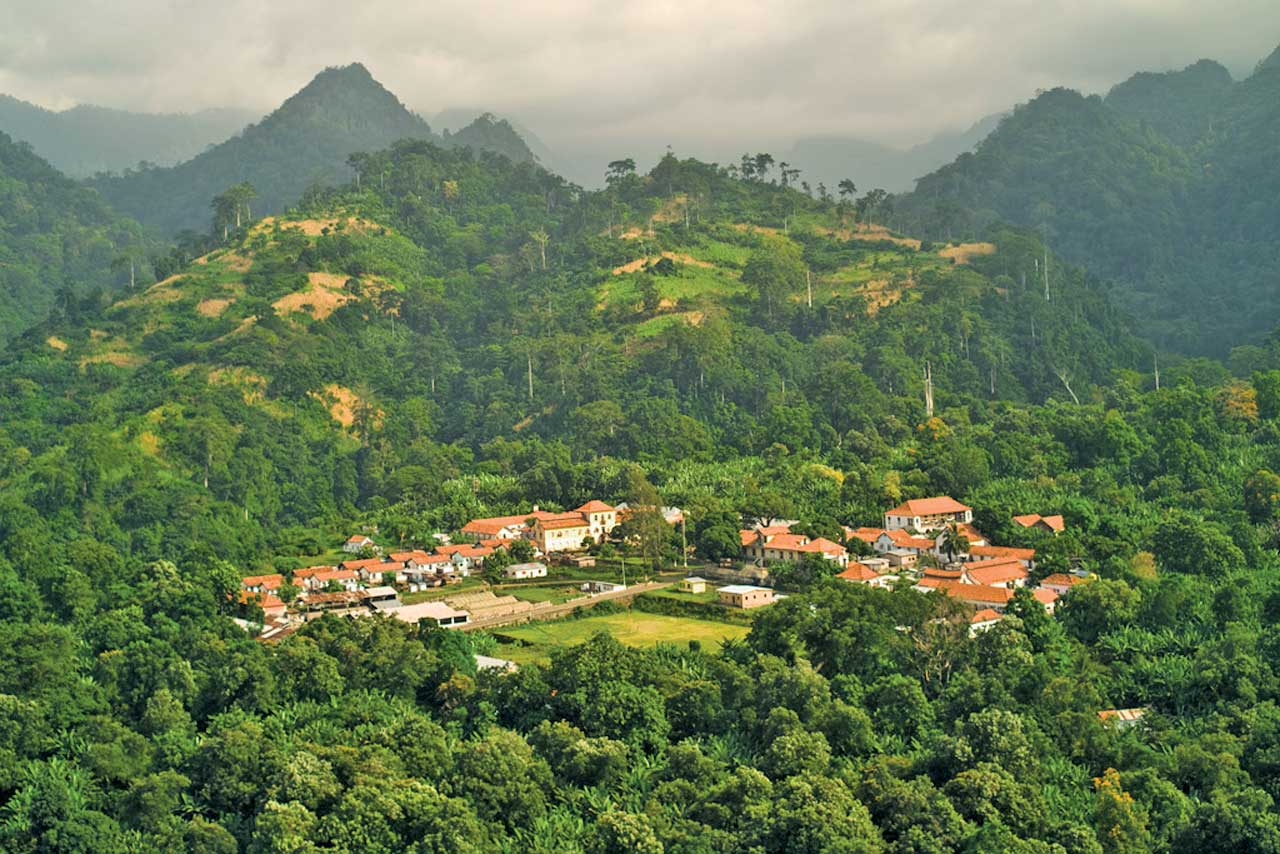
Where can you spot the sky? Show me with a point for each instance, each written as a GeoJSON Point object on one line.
{"type": "Point", "coordinates": [701, 76]}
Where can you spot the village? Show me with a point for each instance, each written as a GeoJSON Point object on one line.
{"type": "Point", "coordinates": [497, 573]}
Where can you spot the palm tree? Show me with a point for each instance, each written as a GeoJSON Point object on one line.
{"type": "Point", "coordinates": [954, 542]}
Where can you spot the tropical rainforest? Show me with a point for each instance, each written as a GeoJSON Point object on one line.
{"type": "Point", "coordinates": [451, 333]}
{"type": "Point", "coordinates": [1166, 186]}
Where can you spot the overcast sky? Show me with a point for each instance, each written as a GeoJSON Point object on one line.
{"type": "Point", "coordinates": [691, 72]}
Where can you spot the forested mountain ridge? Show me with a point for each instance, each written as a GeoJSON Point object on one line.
{"type": "Point", "coordinates": [426, 297]}
{"type": "Point", "coordinates": [86, 139]}
{"type": "Point", "coordinates": [58, 240]}
{"type": "Point", "coordinates": [467, 335]}
{"type": "Point", "coordinates": [1164, 187]}
{"type": "Point", "coordinates": [306, 141]}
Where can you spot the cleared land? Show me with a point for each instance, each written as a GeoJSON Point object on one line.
{"type": "Point", "coordinates": [633, 628]}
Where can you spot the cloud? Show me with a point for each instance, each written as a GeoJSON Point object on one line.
{"type": "Point", "coordinates": [707, 73]}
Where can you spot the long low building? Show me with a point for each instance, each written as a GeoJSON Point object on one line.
{"type": "Point", "coordinates": [441, 613]}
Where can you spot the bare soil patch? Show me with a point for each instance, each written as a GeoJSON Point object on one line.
{"type": "Point", "coordinates": [321, 299]}
{"type": "Point", "coordinates": [56, 343]}
{"type": "Point", "coordinates": [213, 307]}
{"type": "Point", "coordinates": [678, 257]}
{"type": "Point", "coordinates": [960, 254]}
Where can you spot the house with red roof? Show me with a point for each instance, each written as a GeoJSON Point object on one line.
{"type": "Point", "coordinates": [983, 620]}
{"type": "Point", "coordinates": [984, 553]}
{"type": "Point", "coordinates": [356, 543]}
{"type": "Point", "coordinates": [1050, 524]}
{"type": "Point", "coordinates": [928, 514]}
{"type": "Point", "coordinates": [863, 572]}
{"type": "Point", "coordinates": [998, 573]}
{"type": "Point", "coordinates": [1062, 582]}
{"type": "Point", "coordinates": [551, 532]}
{"type": "Point", "coordinates": [764, 547]}
{"type": "Point", "coordinates": [266, 584]}
{"type": "Point", "coordinates": [899, 539]}
{"type": "Point", "coordinates": [272, 606]}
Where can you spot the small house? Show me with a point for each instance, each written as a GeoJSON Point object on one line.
{"type": "Point", "coordinates": [983, 620]}
{"type": "Point", "coordinates": [357, 543]}
{"type": "Point", "coordinates": [1050, 524]}
{"type": "Point", "coordinates": [693, 584]}
{"type": "Point", "coordinates": [745, 596]}
{"type": "Point", "coordinates": [438, 613]}
{"type": "Point", "coordinates": [526, 570]}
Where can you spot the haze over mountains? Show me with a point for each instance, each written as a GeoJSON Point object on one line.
{"type": "Point", "coordinates": [1168, 186]}
{"type": "Point", "coordinates": [86, 139]}
{"type": "Point", "coordinates": [306, 141]}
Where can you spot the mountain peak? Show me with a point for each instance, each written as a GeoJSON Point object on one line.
{"type": "Point", "coordinates": [1272, 61]}
{"type": "Point", "coordinates": [349, 94]}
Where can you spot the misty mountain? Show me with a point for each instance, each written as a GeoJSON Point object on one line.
{"type": "Point", "coordinates": [304, 142]}
{"type": "Point", "coordinates": [1179, 104]}
{"type": "Point", "coordinates": [57, 240]}
{"type": "Point", "coordinates": [85, 140]}
{"type": "Point", "coordinates": [455, 119]}
{"type": "Point", "coordinates": [827, 160]}
{"type": "Point", "coordinates": [1167, 186]}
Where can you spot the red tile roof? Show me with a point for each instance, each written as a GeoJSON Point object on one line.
{"type": "Point", "coordinates": [265, 600]}
{"type": "Point", "coordinates": [825, 546]}
{"type": "Point", "coordinates": [366, 563]}
{"type": "Point", "coordinates": [299, 574]}
{"type": "Point", "coordinates": [928, 507]}
{"type": "Point", "coordinates": [596, 506]}
{"type": "Point", "coordinates": [267, 581]}
{"type": "Point", "coordinates": [858, 572]}
{"type": "Point", "coordinates": [566, 522]}
{"type": "Point", "coordinates": [986, 615]}
{"type": "Point", "coordinates": [939, 572]}
{"type": "Point", "coordinates": [867, 535]}
{"type": "Point", "coordinates": [997, 571]}
{"type": "Point", "coordinates": [1044, 595]}
{"type": "Point", "coordinates": [1054, 523]}
{"type": "Point", "coordinates": [340, 574]}
{"type": "Point", "coordinates": [904, 540]}
{"type": "Point", "coordinates": [975, 593]}
{"type": "Point", "coordinates": [1001, 552]}
{"type": "Point", "coordinates": [358, 538]}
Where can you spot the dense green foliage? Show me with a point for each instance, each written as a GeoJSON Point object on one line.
{"type": "Point", "coordinates": [453, 340]}
{"type": "Point", "coordinates": [1168, 186]}
{"type": "Point", "coordinates": [58, 240]}
{"type": "Point", "coordinates": [86, 140]}
{"type": "Point", "coordinates": [306, 141]}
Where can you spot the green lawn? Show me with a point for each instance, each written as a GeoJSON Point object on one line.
{"type": "Point", "coordinates": [633, 628]}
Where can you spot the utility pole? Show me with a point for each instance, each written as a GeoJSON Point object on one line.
{"type": "Point", "coordinates": [684, 543]}
{"type": "Point", "coordinates": [928, 390]}
{"type": "Point", "coordinates": [1046, 272]}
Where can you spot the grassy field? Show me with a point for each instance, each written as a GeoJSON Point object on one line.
{"type": "Point", "coordinates": [633, 628]}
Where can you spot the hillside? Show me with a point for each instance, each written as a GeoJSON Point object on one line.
{"type": "Point", "coordinates": [58, 241]}
{"type": "Point", "coordinates": [378, 315]}
{"type": "Point", "coordinates": [1164, 186]}
{"type": "Point", "coordinates": [469, 336]}
{"type": "Point", "coordinates": [305, 142]}
{"type": "Point", "coordinates": [85, 140]}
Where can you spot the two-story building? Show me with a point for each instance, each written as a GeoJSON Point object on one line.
{"type": "Point", "coordinates": [928, 514]}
